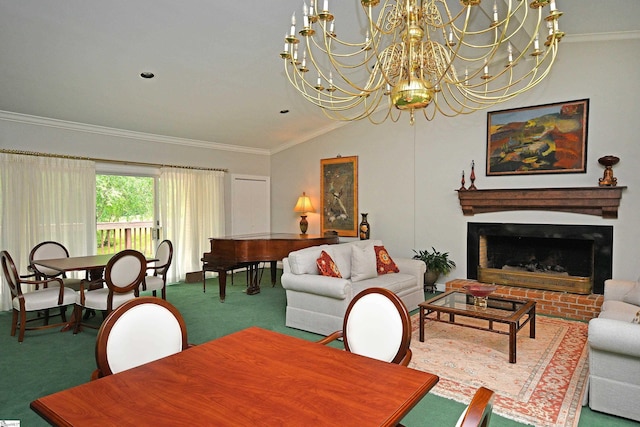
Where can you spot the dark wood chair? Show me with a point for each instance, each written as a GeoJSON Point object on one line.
{"type": "Point", "coordinates": [47, 294]}
{"type": "Point", "coordinates": [377, 325]}
{"type": "Point", "coordinates": [123, 275]}
{"type": "Point", "coordinates": [157, 281]}
{"type": "Point", "coordinates": [139, 331]}
{"type": "Point", "coordinates": [478, 413]}
{"type": "Point", "coordinates": [50, 250]}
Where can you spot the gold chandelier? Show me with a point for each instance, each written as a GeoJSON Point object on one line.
{"type": "Point", "coordinates": [451, 57]}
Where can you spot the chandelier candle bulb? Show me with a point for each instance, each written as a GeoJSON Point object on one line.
{"type": "Point", "coordinates": [293, 24]}
{"type": "Point", "coordinates": [326, 6]}
{"type": "Point", "coordinates": [495, 12]}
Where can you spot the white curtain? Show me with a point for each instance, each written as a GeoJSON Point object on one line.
{"type": "Point", "coordinates": [45, 198]}
{"type": "Point", "coordinates": [191, 212]}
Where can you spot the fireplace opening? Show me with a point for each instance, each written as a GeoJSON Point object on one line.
{"type": "Point", "coordinates": [569, 258]}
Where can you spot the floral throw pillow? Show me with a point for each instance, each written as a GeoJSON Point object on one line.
{"type": "Point", "coordinates": [384, 263]}
{"type": "Point", "coordinates": [326, 265]}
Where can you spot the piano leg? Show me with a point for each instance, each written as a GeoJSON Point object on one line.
{"type": "Point", "coordinates": [222, 284]}
{"type": "Point", "coordinates": [273, 273]}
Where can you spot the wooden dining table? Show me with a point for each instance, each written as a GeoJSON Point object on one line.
{"type": "Point", "coordinates": [94, 264]}
{"type": "Point", "coordinates": [254, 377]}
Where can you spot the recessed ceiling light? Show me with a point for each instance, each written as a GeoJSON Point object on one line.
{"type": "Point", "coordinates": [147, 75]}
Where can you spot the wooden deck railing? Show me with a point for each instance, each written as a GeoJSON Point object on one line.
{"type": "Point", "coordinates": [113, 237]}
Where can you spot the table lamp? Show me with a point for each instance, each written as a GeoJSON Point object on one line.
{"type": "Point", "coordinates": [304, 206]}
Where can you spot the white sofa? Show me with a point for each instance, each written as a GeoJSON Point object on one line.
{"type": "Point", "coordinates": [614, 352]}
{"type": "Point", "coordinates": [317, 303]}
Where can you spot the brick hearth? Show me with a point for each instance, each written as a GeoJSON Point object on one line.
{"type": "Point", "coordinates": [562, 304]}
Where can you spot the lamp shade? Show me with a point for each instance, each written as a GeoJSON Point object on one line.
{"type": "Point", "coordinates": [304, 204]}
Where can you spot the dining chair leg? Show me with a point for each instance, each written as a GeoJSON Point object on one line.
{"type": "Point", "coordinates": [23, 325]}
{"type": "Point", "coordinates": [14, 322]}
{"type": "Point", "coordinates": [63, 313]}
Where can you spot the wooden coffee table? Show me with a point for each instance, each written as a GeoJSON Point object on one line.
{"type": "Point", "coordinates": [511, 312]}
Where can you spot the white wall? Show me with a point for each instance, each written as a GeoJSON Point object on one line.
{"type": "Point", "coordinates": [48, 136]}
{"type": "Point", "coordinates": [407, 175]}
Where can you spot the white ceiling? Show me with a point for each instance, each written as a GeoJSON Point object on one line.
{"type": "Point", "coordinates": [219, 78]}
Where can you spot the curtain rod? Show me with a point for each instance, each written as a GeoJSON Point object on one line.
{"type": "Point", "coordinates": [119, 162]}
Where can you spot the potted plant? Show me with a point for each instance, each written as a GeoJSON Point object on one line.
{"type": "Point", "coordinates": [437, 263]}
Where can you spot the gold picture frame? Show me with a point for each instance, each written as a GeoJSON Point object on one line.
{"type": "Point", "coordinates": [339, 196]}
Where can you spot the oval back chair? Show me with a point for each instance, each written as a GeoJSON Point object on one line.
{"type": "Point", "coordinates": [377, 325]}
{"type": "Point", "coordinates": [158, 280]}
{"type": "Point", "coordinates": [478, 412]}
{"type": "Point", "coordinates": [50, 250]}
{"type": "Point", "coordinates": [48, 293]}
{"type": "Point", "coordinates": [123, 275]}
{"type": "Point", "coordinates": [137, 332]}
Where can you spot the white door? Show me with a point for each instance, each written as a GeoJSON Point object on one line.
{"type": "Point", "coordinates": [250, 204]}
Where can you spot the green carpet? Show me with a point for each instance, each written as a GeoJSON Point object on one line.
{"type": "Point", "coordinates": [48, 361]}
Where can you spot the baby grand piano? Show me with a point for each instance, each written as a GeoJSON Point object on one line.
{"type": "Point", "coordinates": [247, 251]}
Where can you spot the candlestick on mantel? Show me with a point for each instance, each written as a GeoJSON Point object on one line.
{"type": "Point", "coordinates": [462, 188]}
{"type": "Point", "coordinates": [472, 177]}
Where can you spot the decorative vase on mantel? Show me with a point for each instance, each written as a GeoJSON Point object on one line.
{"type": "Point", "coordinates": [365, 229]}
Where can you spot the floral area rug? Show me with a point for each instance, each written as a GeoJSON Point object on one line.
{"type": "Point", "coordinates": [544, 388]}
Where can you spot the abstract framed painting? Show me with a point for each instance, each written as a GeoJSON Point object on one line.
{"type": "Point", "coordinates": [541, 139]}
{"type": "Point", "coordinates": [339, 196]}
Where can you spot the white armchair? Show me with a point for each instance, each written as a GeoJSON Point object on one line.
{"type": "Point", "coordinates": [614, 352]}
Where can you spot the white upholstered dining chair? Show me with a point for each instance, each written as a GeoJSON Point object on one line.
{"type": "Point", "coordinates": [478, 412]}
{"type": "Point", "coordinates": [123, 275]}
{"type": "Point", "coordinates": [51, 250]}
{"type": "Point", "coordinates": [47, 294]}
{"type": "Point", "coordinates": [377, 325]}
{"type": "Point", "coordinates": [157, 281]}
{"type": "Point", "coordinates": [139, 331]}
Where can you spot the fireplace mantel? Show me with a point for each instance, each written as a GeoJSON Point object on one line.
{"type": "Point", "coordinates": [599, 201]}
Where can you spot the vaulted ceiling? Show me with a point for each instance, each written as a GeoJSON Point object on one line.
{"type": "Point", "coordinates": [218, 75]}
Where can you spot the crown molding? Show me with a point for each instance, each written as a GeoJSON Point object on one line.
{"type": "Point", "coordinates": [121, 133]}
{"type": "Point", "coordinates": [602, 37]}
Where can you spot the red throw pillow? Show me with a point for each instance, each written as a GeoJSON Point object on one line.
{"type": "Point", "coordinates": [384, 263]}
{"type": "Point", "coordinates": [326, 266]}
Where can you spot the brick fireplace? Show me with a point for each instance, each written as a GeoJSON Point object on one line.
{"type": "Point", "coordinates": [552, 303]}
{"type": "Point", "coordinates": [562, 267]}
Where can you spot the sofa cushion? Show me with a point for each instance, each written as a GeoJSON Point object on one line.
{"type": "Point", "coordinates": [363, 262]}
{"type": "Point", "coordinates": [327, 266]}
{"type": "Point", "coordinates": [384, 263]}
{"type": "Point", "coordinates": [341, 254]}
{"type": "Point", "coordinates": [398, 283]}
{"type": "Point", "coordinates": [633, 296]}
{"type": "Point", "coordinates": [303, 261]}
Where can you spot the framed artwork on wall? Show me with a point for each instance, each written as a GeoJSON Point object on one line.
{"type": "Point", "coordinates": [339, 195]}
{"type": "Point", "coordinates": [550, 138]}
